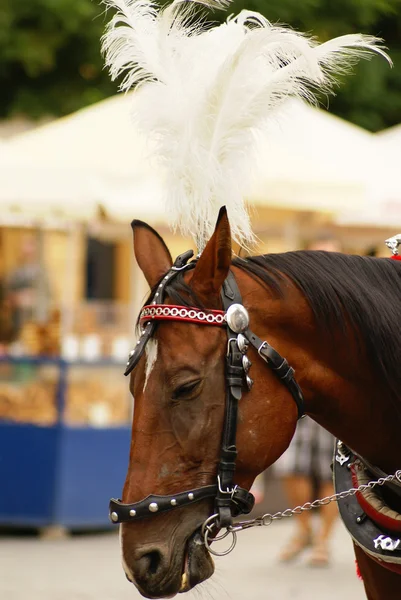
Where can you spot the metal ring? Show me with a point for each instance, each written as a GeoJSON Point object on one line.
{"type": "Point", "coordinates": [174, 312]}
{"type": "Point", "coordinates": [207, 529]}
{"type": "Point", "coordinates": [183, 313]}
{"type": "Point", "coordinates": [224, 552]}
{"type": "Point", "coordinates": [208, 523]}
{"type": "Point", "coordinates": [210, 318]}
{"type": "Point", "coordinates": [192, 314]}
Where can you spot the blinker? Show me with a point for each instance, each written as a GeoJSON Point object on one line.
{"type": "Point", "coordinates": [237, 318]}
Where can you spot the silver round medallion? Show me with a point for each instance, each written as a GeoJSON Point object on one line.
{"type": "Point", "coordinates": [237, 318]}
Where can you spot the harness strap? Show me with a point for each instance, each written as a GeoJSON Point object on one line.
{"type": "Point", "coordinates": [242, 502]}
{"type": "Point", "coordinates": [230, 294]}
{"type": "Point", "coordinates": [280, 368]}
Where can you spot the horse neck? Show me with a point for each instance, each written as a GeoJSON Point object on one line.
{"type": "Point", "coordinates": [341, 391]}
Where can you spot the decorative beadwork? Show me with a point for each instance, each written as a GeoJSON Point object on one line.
{"type": "Point", "coordinates": [166, 312]}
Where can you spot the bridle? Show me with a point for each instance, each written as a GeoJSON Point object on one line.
{"type": "Point", "coordinates": [230, 500]}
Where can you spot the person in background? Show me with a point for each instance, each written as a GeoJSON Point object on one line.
{"type": "Point", "coordinates": [26, 284]}
{"type": "Point", "coordinates": [305, 469]}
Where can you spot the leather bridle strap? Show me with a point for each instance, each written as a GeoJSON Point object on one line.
{"type": "Point", "coordinates": [230, 294]}
{"type": "Point", "coordinates": [280, 367]}
{"type": "Point", "coordinates": [123, 513]}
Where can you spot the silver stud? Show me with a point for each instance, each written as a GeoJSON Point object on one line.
{"type": "Point", "coordinates": [246, 363]}
{"type": "Point", "coordinates": [139, 341]}
{"type": "Point", "coordinates": [249, 382]}
{"type": "Point", "coordinates": [191, 496]}
{"type": "Point", "coordinates": [242, 343]}
{"type": "Point", "coordinates": [127, 363]}
{"type": "Point", "coordinates": [160, 286]}
{"type": "Point", "coordinates": [157, 294]}
{"type": "Point", "coordinates": [166, 277]}
{"type": "Point", "coordinates": [153, 507]}
{"type": "Point", "coordinates": [173, 502]}
{"type": "Point", "coordinates": [132, 513]}
{"type": "Point", "coordinates": [358, 520]}
{"type": "Point", "coordinates": [114, 517]}
{"type": "Point", "coordinates": [237, 318]}
{"type": "Point", "coordinates": [132, 352]}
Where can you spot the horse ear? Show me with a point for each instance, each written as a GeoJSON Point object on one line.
{"type": "Point", "coordinates": [151, 253]}
{"type": "Point", "coordinates": [214, 263]}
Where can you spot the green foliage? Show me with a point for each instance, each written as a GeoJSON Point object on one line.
{"type": "Point", "coordinates": [50, 59]}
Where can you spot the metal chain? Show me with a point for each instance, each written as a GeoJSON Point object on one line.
{"type": "Point", "coordinates": [210, 526]}
{"type": "Point", "coordinates": [268, 518]}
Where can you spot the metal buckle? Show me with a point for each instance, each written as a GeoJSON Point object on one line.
{"type": "Point", "coordinates": [228, 345]}
{"type": "Point", "coordinates": [262, 345]}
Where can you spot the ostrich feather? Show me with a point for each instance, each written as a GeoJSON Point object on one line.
{"type": "Point", "coordinates": [207, 93]}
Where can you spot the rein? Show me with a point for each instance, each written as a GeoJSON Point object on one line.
{"type": "Point", "coordinates": [230, 499]}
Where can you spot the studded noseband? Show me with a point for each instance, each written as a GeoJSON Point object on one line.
{"type": "Point", "coordinates": [230, 499]}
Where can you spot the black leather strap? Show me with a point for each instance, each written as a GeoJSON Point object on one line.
{"type": "Point", "coordinates": [280, 368]}
{"type": "Point", "coordinates": [230, 294]}
{"type": "Point", "coordinates": [242, 503]}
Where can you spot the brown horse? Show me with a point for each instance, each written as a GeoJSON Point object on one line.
{"type": "Point", "coordinates": [333, 316]}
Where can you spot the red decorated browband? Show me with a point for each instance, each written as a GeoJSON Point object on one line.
{"type": "Point", "coordinates": [171, 312]}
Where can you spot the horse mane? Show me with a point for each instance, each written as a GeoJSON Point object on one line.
{"type": "Point", "coordinates": [344, 290]}
{"type": "Point", "coordinates": [341, 290]}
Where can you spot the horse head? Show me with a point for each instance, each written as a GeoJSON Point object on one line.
{"type": "Point", "coordinates": [179, 388]}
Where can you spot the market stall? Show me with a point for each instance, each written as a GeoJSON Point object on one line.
{"type": "Point", "coordinates": [59, 421]}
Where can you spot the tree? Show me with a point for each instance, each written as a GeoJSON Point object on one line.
{"type": "Point", "coordinates": [50, 60]}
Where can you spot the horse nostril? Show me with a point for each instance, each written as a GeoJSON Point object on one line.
{"type": "Point", "coordinates": [148, 564]}
{"type": "Point", "coordinates": [154, 561]}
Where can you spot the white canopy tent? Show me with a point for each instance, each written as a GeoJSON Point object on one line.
{"type": "Point", "coordinates": [382, 206]}
{"type": "Point", "coordinates": [30, 190]}
{"type": "Point", "coordinates": [310, 160]}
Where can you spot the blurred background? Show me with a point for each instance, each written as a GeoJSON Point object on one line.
{"type": "Point", "coordinates": [74, 173]}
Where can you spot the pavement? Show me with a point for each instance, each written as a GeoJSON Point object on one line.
{"type": "Point", "coordinates": [87, 567]}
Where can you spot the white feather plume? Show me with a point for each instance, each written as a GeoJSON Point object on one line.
{"type": "Point", "coordinates": [207, 92]}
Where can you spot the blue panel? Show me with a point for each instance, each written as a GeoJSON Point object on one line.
{"type": "Point", "coordinates": [28, 458]}
{"type": "Point", "coordinates": [92, 469]}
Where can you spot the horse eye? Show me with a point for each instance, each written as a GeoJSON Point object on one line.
{"type": "Point", "coordinates": [185, 391]}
